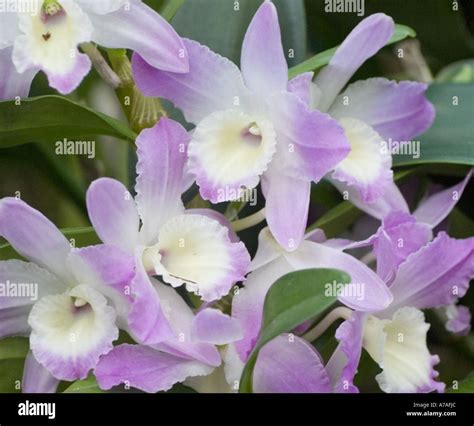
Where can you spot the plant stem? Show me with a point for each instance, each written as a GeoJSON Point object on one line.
{"type": "Point", "coordinates": [326, 322]}
{"type": "Point", "coordinates": [249, 221]}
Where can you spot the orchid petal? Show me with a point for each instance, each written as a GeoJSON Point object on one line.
{"type": "Point", "coordinates": [70, 331]}
{"type": "Point", "coordinates": [263, 61]}
{"type": "Point", "coordinates": [196, 251]}
{"type": "Point", "coordinates": [459, 319]}
{"type": "Point", "coordinates": [101, 7]}
{"type": "Point", "coordinates": [36, 378]}
{"type": "Point", "coordinates": [364, 41]}
{"type": "Point", "coordinates": [301, 86]}
{"type": "Point", "coordinates": [51, 45]}
{"type": "Point", "coordinates": [287, 206]}
{"type": "Point", "coordinates": [29, 281]}
{"type": "Point", "coordinates": [436, 208]}
{"type": "Point", "coordinates": [289, 365]}
{"type": "Point", "coordinates": [145, 368]}
{"type": "Point", "coordinates": [343, 364]}
{"type": "Point", "coordinates": [13, 84]}
{"type": "Point", "coordinates": [139, 28]}
{"type": "Point", "coordinates": [437, 274]}
{"type": "Point", "coordinates": [147, 321]}
{"type": "Point", "coordinates": [161, 159]}
{"type": "Point", "coordinates": [392, 199]}
{"type": "Point", "coordinates": [366, 292]}
{"type": "Point", "coordinates": [310, 142]}
{"type": "Point", "coordinates": [397, 111]}
{"type": "Point", "coordinates": [34, 236]}
{"type": "Point", "coordinates": [399, 347]}
{"type": "Point", "coordinates": [181, 318]}
{"type": "Point", "coordinates": [228, 152]}
{"type": "Point", "coordinates": [212, 84]}
{"type": "Point", "coordinates": [367, 167]}
{"type": "Point", "coordinates": [212, 326]}
{"type": "Point", "coordinates": [113, 213]}
{"type": "Point", "coordinates": [399, 236]}
{"type": "Point", "coordinates": [109, 270]}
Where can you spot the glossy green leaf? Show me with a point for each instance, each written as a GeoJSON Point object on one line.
{"type": "Point", "coordinates": [290, 301]}
{"type": "Point", "coordinates": [451, 138]}
{"type": "Point", "coordinates": [323, 58]}
{"type": "Point", "coordinates": [457, 72]}
{"type": "Point", "coordinates": [221, 25]}
{"type": "Point", "coordinates": [88, 385]}
{"type": "Point", "coordinates": [170, 8]}
{"type": "Point", "coordinates": [464, 386]}
{"type": "Point", "coordinates": [54, 118]}
{"type": "Point", "coordinates": [13, 351]}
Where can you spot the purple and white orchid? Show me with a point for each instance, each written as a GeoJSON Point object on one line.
{"type": "Point", "coordinates": [251, 124]}
{"type": "Point", "coordinates": [373, 112]}
{"type": "Point", "coordinates": [194, 247]}
{"type": "Point", "coordinates": [413, 273]}
{"type": "Point", "coordinates": [44, 35]}
{"type": "Point", "coordinates": [428, 274]}
{"type": "Point", "coordinates": [80, 297]}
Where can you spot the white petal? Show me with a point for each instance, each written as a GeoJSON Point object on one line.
{"type": "Point", "coordinates": [399, 347]}
{"type": "Point", "coordinates": [51, 43]}
{"type": "Point", "coordinates": [230, 150]}
{"type": "Point", "coordinates": [368, 165]}
{"type": "Point", "coordinates": [71, 330]}
{"type": "Point", "coordinates": [196, 250]}
{"type": "Point", "coordinates": [101, 7]}
{"type": "Point", "coordinates": [9, 28]}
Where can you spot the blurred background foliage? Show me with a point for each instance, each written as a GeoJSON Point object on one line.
{"type": "Point", "coordinates": [56, 184]}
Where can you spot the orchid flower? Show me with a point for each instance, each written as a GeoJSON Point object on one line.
{"type": "Point", "coordinates": [269, 264]}
{"type": "Point", "coordinates": [272, 262]}
{"type": "Point", "coordinates": [191, 353]}
{"type": "Point", "coordinates": [429, 274]}
{"type": "Point", "coordinates": [421, 274]}
{"type": "Point", "coordinates": [82, 297]}
{"type": "Point", "coordinates": [193, 247]}
{"type": "Point", "coordinates": [372, 112]}
{"type": "Point", "coordinates": [251, 124]}
{"type": "Point", "coordinates": [44, 35]}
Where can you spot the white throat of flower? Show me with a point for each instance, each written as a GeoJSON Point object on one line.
{"type": "Point", "coordinates": [232, 148]}
{"type": "Point", "coordinates": [399, 346]}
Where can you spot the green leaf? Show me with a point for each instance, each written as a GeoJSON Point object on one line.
{"type": "Point", "coordinates": [88, 385]}
{"type": "Point", "coordinates": [323, 58]}
{"type": "Point", "coordinates": [221, 25]}
{"type": "Point", "coordinates": [464, 386]}
{"type": "Point", "coordinates": [451, 138]}
{"type": "Point", "coordinates": [170, 8]}
{"type": "Point", "coordinates": [54, 118]}
{"type": "Point", "coordinates": [291, 300]}
{"type": "Point", "coordinates": [13, 351]}
{"type": "Point", "coordinates": [457, 72]}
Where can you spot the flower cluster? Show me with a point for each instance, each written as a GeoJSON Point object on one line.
{"type": "Point", "coordinates": [165, 274]}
